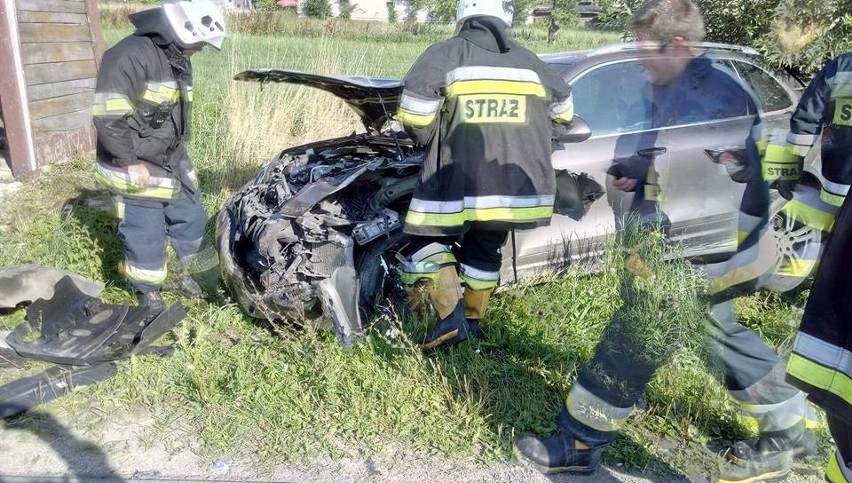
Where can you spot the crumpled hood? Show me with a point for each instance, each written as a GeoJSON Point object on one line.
{"type": "Point", "coordinates": [152, 23]}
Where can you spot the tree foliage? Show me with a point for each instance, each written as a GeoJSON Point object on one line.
{"type": "Point", "coordinates": [806, 34]}
{"type": "Point", "coordinates": [317, 8]}
{"type": "Point", "coordinates": [799, 34]}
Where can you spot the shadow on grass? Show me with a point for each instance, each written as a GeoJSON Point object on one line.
{"type": "Point", "coordinates": [85, 461]}
{"type": "Point", "coordinates": [519, 381]}
{"type": "Point", "coordinates": [94, 211]}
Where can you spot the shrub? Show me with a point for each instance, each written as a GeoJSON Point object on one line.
{"type": "Point", "coordinates": [317, 8]}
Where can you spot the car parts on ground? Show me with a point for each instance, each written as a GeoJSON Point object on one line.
{"type": "Point", "coordinates": [79, 333]}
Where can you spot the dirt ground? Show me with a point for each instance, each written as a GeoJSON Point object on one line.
{"type": "Point", "coordinates": [131, 446]}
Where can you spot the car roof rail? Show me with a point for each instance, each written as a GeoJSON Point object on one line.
{"type": "Point", "coordinates": [624, 46]}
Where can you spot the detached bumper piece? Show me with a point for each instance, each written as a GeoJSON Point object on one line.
{"type": "Point", "coordinates": [75, 329]}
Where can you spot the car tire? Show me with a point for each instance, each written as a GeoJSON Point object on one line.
{"type": "Point", "coordinates": [381, 292]}
{"type": "Point", "coordinates": [798, 246]}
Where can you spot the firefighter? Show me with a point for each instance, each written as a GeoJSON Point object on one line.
{"type": "Point", "coordinates": [688, 88]}
{"type": "Point", "coordinates": [143, 101]}
{"type": "Point", "coordinates": [485, 107]}
{"type": "Point", "coordinates": [820, 363]}
{"type": "Point", "coordinates": [824, 112]}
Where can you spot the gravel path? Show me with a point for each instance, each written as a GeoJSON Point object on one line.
{"type": "Point", "coordinates": [130, 447]}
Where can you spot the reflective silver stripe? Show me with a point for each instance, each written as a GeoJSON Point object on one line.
{"type": "Point", "coordinates": [159, 92]}
{"type": "Point", "coordinates": [419, 106]}
{"type": "Point", "coordinates": [145, 275]}
{"type": "Point", "coordinates": [801, 139]}
{"type": "Point", "coordinates": [838, 189]}
{"type": "Point", "coordinates": [774, 417]}
{"type": "Point", "coordinates": [153, 181]}
{"type": "Point", "coordinates": [594, 411]}
{"type": "Point", "coordinates": [562, 107]}
{"type": "Point", "coordinates": [429, 251]}
{"type": "Point", "coordinates": [480, 202]}
{"type": "Point", "coordinates": [478, 274]}
{"type": "Point", "coordinates": [478, 72]}
{"type": "Point", "coordinates": [823, 353]}
{"type": "Point", "coordinates": [840, 85]}
{"type": "Point", "coordinates": [837, 469]}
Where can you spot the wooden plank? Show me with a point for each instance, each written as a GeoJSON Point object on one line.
{"type": "Point", "coordinates": [32, 33]}
{"type": "Point", "coordinates": [59, 71]}
{"type": "Point", "coordinates": [69, 121]}
{"type": "Point", "coordinates": [52, 147]}
{"type": "Point", "coordinates": [52, 17]}
{"type": "Point", "coordinates": [13, 90]}
{"type": "Point", "coordinates": [61, 105]}
{"type": "Point", "coordinates": [39, 54]}
{"type": "Point", "coordinates": [72, 6]}
{"type": "Point", "coordinates": [57, 89]}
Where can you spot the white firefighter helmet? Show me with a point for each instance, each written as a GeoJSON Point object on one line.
{"type": "Point", "coordinates": [195, 22]}
{"type": "Point", "coordinates": [501, 9]}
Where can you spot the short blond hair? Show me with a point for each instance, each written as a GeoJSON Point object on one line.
{"type": "Point", "coordinates": [663, 20]}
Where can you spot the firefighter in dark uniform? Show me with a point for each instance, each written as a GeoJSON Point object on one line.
{"type": "Point", "coordinates": [825, 113]}
{"type": "Point", "coordinates": [821, 362]}
{"type": "Point", "coordinates": [688, 88]}
{"type": "Point", "coordinates": [142, 110]}
{"type": "Point", "coordinates": [485, 107]}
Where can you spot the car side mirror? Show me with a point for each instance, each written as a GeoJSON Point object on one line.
{"type": "Point", "coordinates": [577, 132]}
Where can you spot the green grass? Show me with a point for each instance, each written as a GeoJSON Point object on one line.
{"type": "Point", "coordinates": [274, 395]}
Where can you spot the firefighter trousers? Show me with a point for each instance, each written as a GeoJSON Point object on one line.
{"type": "Point", "coordinates": [146, 226]}
{"type": "Point", "coordinates": [612, 382]}
{"type": "Point", "coordinates": [478, 256]}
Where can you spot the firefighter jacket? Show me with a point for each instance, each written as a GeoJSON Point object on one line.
{"type": "Point", "coordinates": [824, 112]}
{"type": "Point", "coordinates": [821, 361]}
{"type": "Point", "coordinates": [142, 110]}
{"type": "Point", "coordinates": [484, 105]}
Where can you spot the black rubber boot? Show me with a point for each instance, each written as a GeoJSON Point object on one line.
{"type": "Point", "coordinates": [152, 303]}
{"type": "Point", "coordinates": [449, 331]}
{"type": "Point", "coordinates": [559, 453]}
{"type": "Point", "coordinates": [474, 330]}
{"type": "Point", "coordinates": [770, 458]}
{"type": "Point", "coordinates": [190, 288]}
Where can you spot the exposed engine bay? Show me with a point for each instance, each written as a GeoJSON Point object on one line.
{"type": "Point", "coordinates": [288, 234]}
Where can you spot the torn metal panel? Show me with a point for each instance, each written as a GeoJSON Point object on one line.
{"type": "Point", "coordinates": [29, 392]}
{"type": "Point", "coordinates": [73, 328]}
{"type": "Point", "coordinates": [20, 284]}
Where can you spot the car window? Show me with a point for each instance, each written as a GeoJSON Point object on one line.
{"type": "Point", "coordinates": [771, 95]}
{"type": "Point", "coordinates": [614, 98]}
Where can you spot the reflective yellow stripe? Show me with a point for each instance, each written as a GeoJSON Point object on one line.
{"type": "Point", "coordinates": [477, 284]}
{"type": "Point", "coordinates": [412, 278]}
{"type": "Point", "coordinates": [593, 411]}
{"type": "Point", "coordinates": [761, 146]}
{"type": "Point", "coordinates": [835, 382]}
{"type": "Point", "coordinates": [113, 107]}
{"type": "Point", "coordinates": [479, 214]}
{"type": "Point", "coordinates": [414, 120]}
{"type": "Point", "coordinates": [809, 215]}
{"type": "Point", "coordinates": [565, 116]}
{"type": "Point", "coordinates": [145, 275]}
{"type": "Point", "coordinates": [834, 471]}
{"type": "Point", "coordinates": [125, 187]}
{"type": "Point", "coordinates": [161, 94]}
{"type": "Point", "coordinates": [459, 88]}
{"type": "Point", "coordinates": [741, 236]}
{"type": "Point", "coordinates": [189, 94]}
{"type": "Point", "coordinates": [831, 198]}
{"type": "Point", "coordinates": [796, 267]}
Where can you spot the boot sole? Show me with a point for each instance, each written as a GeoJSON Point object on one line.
{"type": "Point", "coordinates": [444, 339]}
{"type": "Point", "coordinates": [552, 470]}
{"type": "Point", "coordinates": [769, 476]}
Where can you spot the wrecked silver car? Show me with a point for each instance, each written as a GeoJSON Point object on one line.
{"type": "Point", "coordinates": [317, 231]}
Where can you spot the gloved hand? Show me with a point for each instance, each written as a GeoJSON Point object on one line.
{"type": "Point", "coordinates": [786, 188]}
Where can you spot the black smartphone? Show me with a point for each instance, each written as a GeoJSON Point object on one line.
{"type": "Point", "coordinates": [616, 170]}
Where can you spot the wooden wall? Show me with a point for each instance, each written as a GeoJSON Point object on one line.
{"type": "Point", "coordinates": [49, 53]}
{"type": "Point", "coordinates": [59, 53]}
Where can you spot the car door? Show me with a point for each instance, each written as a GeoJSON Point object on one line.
{"type": "Point", "coordinates": [613, 98]}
